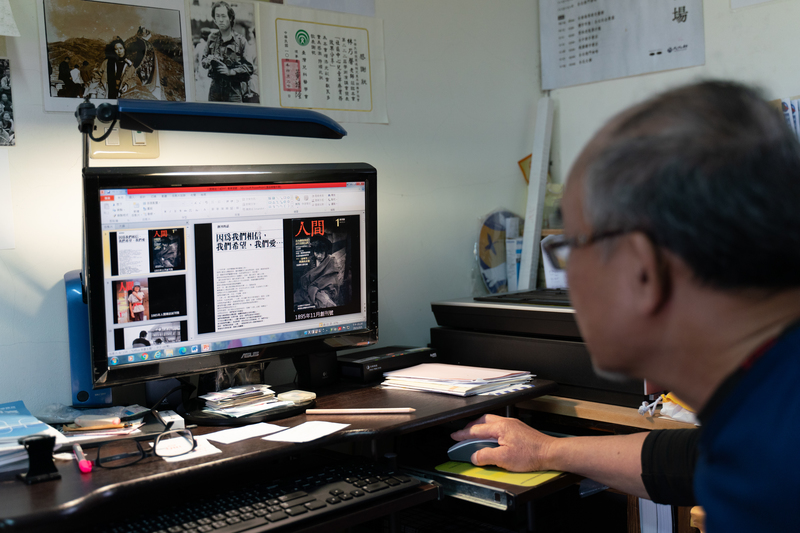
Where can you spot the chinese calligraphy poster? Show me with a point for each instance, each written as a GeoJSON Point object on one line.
{"type": "Point", "coordinates": [584, 41]}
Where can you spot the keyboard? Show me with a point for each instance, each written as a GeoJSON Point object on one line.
{"type": "Point", "coordinates": [532, 297]}
{"type": "Point", "coordinates": [274, 504]}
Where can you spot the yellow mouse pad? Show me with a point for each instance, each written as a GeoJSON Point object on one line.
{"type": "Point", "coordinates": [493, 473]}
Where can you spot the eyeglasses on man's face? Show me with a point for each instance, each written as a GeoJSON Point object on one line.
{"type": "Point", "coordinates": [125, 452]}
{"type": "Point", "coordinates": [558, 248]}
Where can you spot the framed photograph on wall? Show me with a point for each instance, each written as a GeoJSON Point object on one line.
{"type": "Point", "coordinates": [225, 40]}
{"type": "Point", "coordinates": [8, 136]}
{"type": "Point", "coordinates": [134, 49]}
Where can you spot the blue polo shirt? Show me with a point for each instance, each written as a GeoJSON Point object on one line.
{"type": "Point", "coordinates": [747, 476]}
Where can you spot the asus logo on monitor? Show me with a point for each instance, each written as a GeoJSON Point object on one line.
{"type": "Point", "coordinates": [249, 355]}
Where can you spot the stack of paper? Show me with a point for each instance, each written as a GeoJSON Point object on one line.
{"type": "Point", "coordinates": [242, 401]}
{"type": "Point", "coordinates": [458, 380]}
{"type": "Point", "coordinates": [15, 422]}
{"type": "Point", "coordinates": [77, 432]}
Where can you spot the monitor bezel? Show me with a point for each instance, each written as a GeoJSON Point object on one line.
{"type": "Point", "coordinates": [96, 179]}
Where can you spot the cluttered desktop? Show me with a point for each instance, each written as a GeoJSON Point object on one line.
{"type": "Point", "coordinates": [200, 271]}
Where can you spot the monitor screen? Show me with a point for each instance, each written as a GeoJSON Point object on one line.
{"type": "Point", "coordinates": [190, 269]}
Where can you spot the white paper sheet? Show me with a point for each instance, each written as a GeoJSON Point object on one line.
{"type": "Point", "coordinates": [203, 448]}
{"type": "Point", "coordinates": [8, 25]}
{"type": "Point", "coordinates": [307, 432]}
{"type": "Point", "coordinates": [229, 436]}
{"type": "Point", "coordinates": [584, 42]}
{"type": "Point", "coordinates": [6, 209]}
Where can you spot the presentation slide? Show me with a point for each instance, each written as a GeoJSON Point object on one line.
{"type": "Point", "coordinates": [248, 274]}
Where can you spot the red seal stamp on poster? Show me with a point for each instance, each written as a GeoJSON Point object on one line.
{"type": "Point", "coordinates": [291, 74]}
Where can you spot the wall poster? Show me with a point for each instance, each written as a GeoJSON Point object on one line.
{"type": "Point", "coordinates": [584, 41]}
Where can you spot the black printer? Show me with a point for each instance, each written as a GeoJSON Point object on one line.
{"type": "Point", "coordinates": [517, 333]}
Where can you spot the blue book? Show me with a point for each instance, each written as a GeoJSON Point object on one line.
{"type": "Point", "coordinates": [16, 421]}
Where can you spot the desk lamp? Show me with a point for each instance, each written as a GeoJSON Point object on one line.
{"type": "Point", "coordinates": [153, 115]}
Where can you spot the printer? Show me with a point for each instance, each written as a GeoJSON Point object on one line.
{"type": "Point", "coordinates": [540, 338]}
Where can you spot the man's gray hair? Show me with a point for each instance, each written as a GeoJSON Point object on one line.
{"type": "Point", "coordinates": [710, 172]}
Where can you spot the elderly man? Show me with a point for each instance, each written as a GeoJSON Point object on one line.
{"type": "Point", "coordinates": [682, 240]}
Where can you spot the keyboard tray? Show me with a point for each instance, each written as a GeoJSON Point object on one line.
{"type": "Point", "coordinates": [324, 490]}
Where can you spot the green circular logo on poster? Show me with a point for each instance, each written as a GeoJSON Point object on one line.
{"type": "Point", "coordinates": [302, 37]}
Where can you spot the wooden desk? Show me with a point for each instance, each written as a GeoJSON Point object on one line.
{"type": "Point", "coordinates": [77, 501]}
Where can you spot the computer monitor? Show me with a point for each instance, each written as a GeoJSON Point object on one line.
{"type": "Point", "coordinates": [192, 269]}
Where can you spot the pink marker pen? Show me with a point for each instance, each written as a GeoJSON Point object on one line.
{"type": "Point", "coordinates": [83, 463]}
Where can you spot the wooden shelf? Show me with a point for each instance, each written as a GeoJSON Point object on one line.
{"type": "Point", "coordinates": [601, 412]}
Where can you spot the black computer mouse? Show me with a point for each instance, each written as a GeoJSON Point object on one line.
{"type": "Point", "coordinates": [462, 451]}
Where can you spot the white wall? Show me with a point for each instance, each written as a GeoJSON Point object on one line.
{"type": "Point", "coordinates": [462, 86]}
{"type": "Point", "coordinates": [756, 45]}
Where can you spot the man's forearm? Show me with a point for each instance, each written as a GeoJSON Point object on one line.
{"type": "Point", "coordinates": [613, 460]}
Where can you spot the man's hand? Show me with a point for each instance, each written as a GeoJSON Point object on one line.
{"type": "Point", "coordinates": [522, 448]}
{"type": "Point", "coordinates": [614, 460]}
{"type": "Point", "coordinates": [223, 69]}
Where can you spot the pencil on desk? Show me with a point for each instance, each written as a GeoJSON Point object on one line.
{"type": "Point", "coordinates": [364, 411]}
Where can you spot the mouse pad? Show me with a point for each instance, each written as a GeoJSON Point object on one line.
{"type": "Point", "coordinates": [493, 473]}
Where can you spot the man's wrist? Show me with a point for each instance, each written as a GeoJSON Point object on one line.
{"type": "Point", "coordinates": [549, 454]}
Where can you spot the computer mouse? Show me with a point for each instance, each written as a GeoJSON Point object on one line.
{"type": "Point", "coordinates": [462, 451]}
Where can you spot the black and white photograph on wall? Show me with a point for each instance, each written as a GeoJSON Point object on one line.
{"type": "Point", "coordinates": [7, 134]}
{"type": "Point", "coordinates": [225, 43]}
{"type": "Point", "coordinates": [113, 49]}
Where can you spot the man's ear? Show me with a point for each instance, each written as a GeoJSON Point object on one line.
{"type": "Point", "coordinates": [651, 282]}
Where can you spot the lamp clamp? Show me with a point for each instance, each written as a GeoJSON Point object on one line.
{"type": "Point", "coordinates": [87, 112]}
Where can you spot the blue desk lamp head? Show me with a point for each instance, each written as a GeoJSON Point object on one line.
{"type": "Point", "coordinates": [153, 115]}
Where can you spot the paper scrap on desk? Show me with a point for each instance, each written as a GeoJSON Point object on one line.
{"type": "Point", "coordinates": [230, 436]}
{"type": "Point", "coordinates": [307, 432]}
{"type": "Point", "coordinates": [493, 473]}
{"type": "Point", "coordinates": [203, 448]}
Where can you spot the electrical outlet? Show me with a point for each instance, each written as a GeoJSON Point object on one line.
{"type": "Point", "coordinates": [123, 144]}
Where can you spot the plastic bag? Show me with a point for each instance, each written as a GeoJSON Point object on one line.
{"type": "Point", "coordinates": [57, 413]}
{"type": "Point", "coordinates": [671, 407]}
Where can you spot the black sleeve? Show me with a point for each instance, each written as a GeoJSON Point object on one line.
{"type": "Point", "coordinates": [668, 461]}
